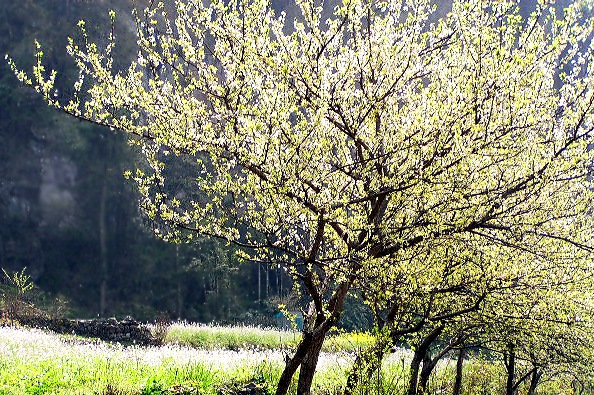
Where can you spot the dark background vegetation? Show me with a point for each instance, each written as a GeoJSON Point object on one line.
{"type": "Point", "coordinates": [68, 215]}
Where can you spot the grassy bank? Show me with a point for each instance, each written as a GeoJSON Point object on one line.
{"type": "Point", "coordinates": [34, 362]}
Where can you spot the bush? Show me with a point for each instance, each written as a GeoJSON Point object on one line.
{"type": "Point", "coordinates": [19, 298]}
{"type": "Point", "coordinates": [16, 294]}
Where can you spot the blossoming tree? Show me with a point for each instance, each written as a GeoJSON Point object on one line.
{"type": "Point", "coordinates": [344, 143]}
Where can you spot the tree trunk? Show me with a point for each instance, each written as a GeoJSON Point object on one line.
{"type": "Point", "coordinates": [536, 374]}
{"type": "Point", "coordinates": [178, 285]}
{"type": "Point", "coordinates": [459, 368]}
{"type": "Point", "coordinates": [430, 362]}
{"type": "Point", "coordinates": [259, 284]}
{"type": "Point", "coordinates": [280, 282]}
{"type": "Point", "coordinates": [292, 364]}
{"type": "Point", "coordinates": [104, 265]}
{"type": "Point", "coordinates": [420, 353]}
{"type": "Point", "coordinates": [308, 351]}
{"type": "Point", "coordinates": [267, 280]}
{"type": "Point", "coordinates": [306, 356]}
{"type": "Point", "coordinates": [510, 365]}
{"type": "Point", "coordinates": [414, 372]}
{"type": "Point", "coordinates": [308, 366]}
{"type": "Point", "coordinates": [427, 366]}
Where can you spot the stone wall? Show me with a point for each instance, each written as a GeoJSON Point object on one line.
{"type": "Point", "coordinates": [126, 330]}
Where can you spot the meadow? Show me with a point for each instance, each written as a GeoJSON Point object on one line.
{"type": "Point", "coordinates": [33, 361]}
{"type": "Point", "coordinates": [198, 359]}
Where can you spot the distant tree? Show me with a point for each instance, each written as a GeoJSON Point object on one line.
{"type": "Point", "coordinates": [347, 144]}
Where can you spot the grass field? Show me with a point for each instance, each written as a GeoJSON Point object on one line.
{"type": "Point", "coordinates": [36, 362]}
{"type": "Point", "coordinates": [219, 361]}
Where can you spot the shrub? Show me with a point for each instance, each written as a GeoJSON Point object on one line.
{"type": "Point", "coordinates": [20, 298]}
{"type": "Point", "coordinates": [16, 294]}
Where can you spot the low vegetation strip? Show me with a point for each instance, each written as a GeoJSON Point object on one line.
{"type": "Point", "coordinates": [240, 337]}
{"type": "Point", "coordinates": [232, 338]}
{"type": "Point", "coordinates": [37, 362]}
{"type": "Point", "coordinates": [189, 334]}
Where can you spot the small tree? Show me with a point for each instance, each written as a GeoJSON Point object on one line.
{"type": "Point", "coordinates": [16, 294]}
{"type": "Point", "coordinates": [346, 143]}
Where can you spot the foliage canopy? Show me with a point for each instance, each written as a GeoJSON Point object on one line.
{"type": "Point", "coordinates": [374, 143]}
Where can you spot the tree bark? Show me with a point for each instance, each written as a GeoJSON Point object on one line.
{"type": "Point", "coordinates": [536, 374]}
{"type": "Point", "coordinates": [178, 285]}
{"type": "Point", "coordinates": [259, 283]}
{"type": "Point", "coordinates": [420, 352]}
{"type": "Point", "coordinates": [104, 264]}
{"type": "Point", "coordinates": [306, 357]}
{"type": "Point", "coordinates": [309, 348]}
{"type": "Point", "coordinates": [280, 282]}
{"type": "Point", "coordinates": [267, 280]}
{"type": "Point", "coordinates": [308, 366]}
{"type": "Point", "coordinates": [292, 364]}
{"type": "Point", "coordinates": [459, 370]}
{"type": "Point", "coordinates": [510, 366]}
{"type": "Point", "coordinates": [414, 373]}
{"type": "Point", "coordinates": [430, 362]}
{"type": "Point", "coordinates": [427, 365]}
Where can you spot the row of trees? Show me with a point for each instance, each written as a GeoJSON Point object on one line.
{"type": "Point", "coordinates": [536, 321]}
{"type": "Point", "coordinates": [437, 164]}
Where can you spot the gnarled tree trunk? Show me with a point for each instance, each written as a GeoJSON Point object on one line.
{"type": "Point", "coordinates": [459, 369]}
{"type": "Point", "coordinates": [293, 364]}
{"type": "Point", "coordinates": [420, 353]}
{"type": "Point", "coordinates": [427, 366]}
{"type": "Point", "coordinates": [308, 366]}
{"type": "Point", "coordinates": [308, 352]}
{"type": "Point", "coordinates": [534, 380]}
{"type": "Point", "coordinates": [103, 256]}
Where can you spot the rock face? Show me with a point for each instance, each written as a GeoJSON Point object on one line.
{"type": "Point", "coordinates": [126, 330]}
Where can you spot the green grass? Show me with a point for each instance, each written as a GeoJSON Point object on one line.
{"type": "Point", "coordinates": [241, 337]}
{"type": "Point", "coordinates": [350, 342]}
{"type": "Point", "coordinates": [33, 362]}
{"type": "Point", "coordinates": [36, 362]}
{"type": "Point", "coordinates": [211, 359]}
{"type": "Point", "coordinates": [230, 338]}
